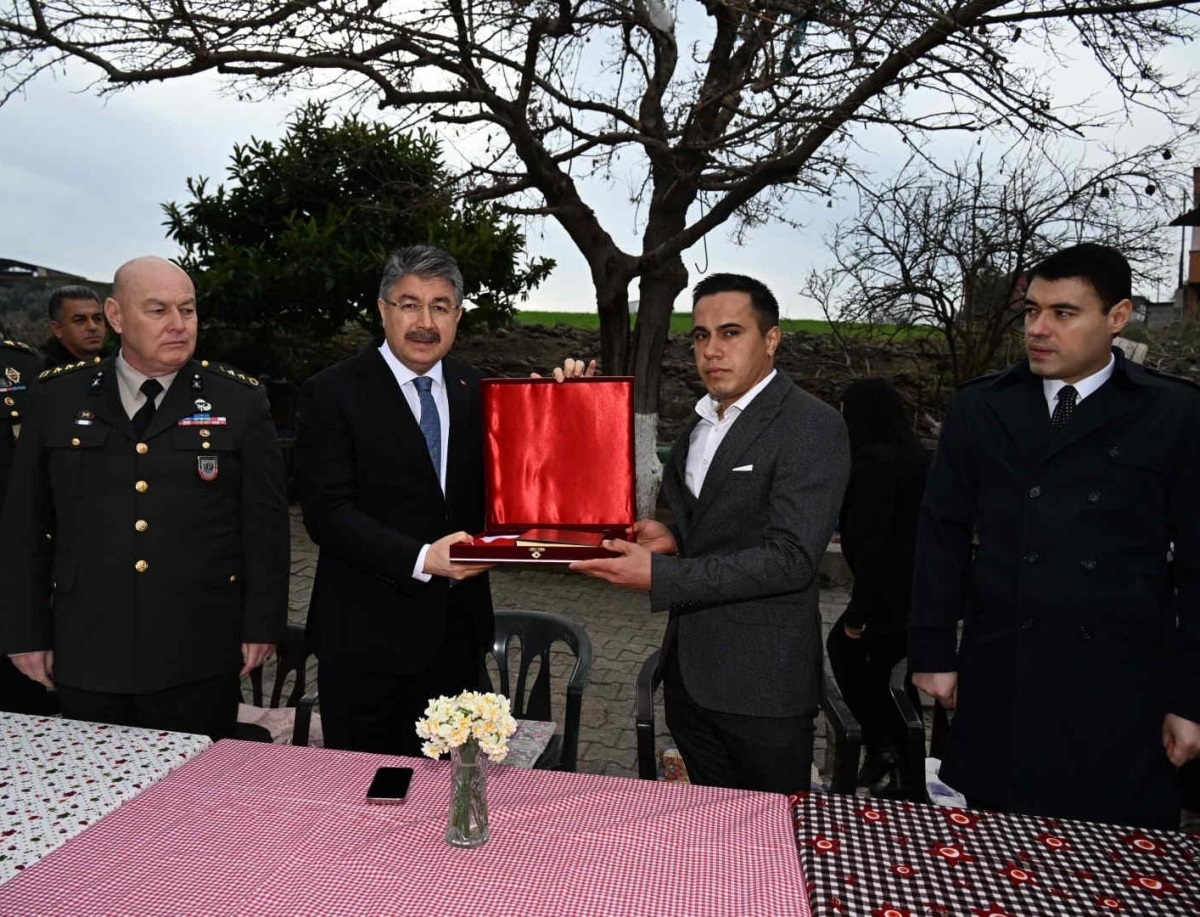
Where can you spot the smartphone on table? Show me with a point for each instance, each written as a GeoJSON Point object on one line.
{"type": "Point", "coordinates": [390, 785]}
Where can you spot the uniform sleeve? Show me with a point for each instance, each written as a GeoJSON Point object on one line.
{"type": "Point", "coordinates": [27, 521]}
{"type": "Point", "coordinates": [805, 494]}
{"type": "Point", "coordinates": [1183, 506]}
{"type": "Point", "coordinates": [943, 555]}
{"type": "Point", "coordinates": [328, 485]}
{"type": "Point", "coordinates": [265, 528]}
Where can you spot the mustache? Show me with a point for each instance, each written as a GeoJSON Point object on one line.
{"type": "Point", "coordinates": [423, 336]}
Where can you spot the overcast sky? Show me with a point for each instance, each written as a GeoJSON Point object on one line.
{"type": "Point", "coordinates": [82, 181]}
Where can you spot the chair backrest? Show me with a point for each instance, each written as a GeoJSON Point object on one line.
{"type": "Point", "coordinates": [291, 656]}
{"type": "Point", "coordinates": [908, 704]}
{"type": "Point", "coordinates": [531, 699]}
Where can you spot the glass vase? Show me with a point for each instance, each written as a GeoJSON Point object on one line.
{"type": "Point", "coordinates": [468, 823]}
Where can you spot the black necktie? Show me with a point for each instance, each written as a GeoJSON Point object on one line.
{"type": "Point", "coordinates": [141, 420]}
{"type": "Point", "coordinates": [1065, 407]}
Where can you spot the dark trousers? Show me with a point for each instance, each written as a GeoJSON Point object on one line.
{"type": "Point", "coordinates": [207, 707]}
{"type": "Point", "coordinates": [767, 753]}
{"type": "Point", "coordinates": [863, 670]}
{"type": "Point", "coordinates": [19, 694]}
{"type": "Point", "coordinates": [378, 711]}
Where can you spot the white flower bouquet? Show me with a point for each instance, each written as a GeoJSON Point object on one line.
{"type": "Point", "coordinates": [452, 722]}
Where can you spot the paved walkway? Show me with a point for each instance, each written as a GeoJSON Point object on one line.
{"type": "Point", "coordinates": [619, 622]}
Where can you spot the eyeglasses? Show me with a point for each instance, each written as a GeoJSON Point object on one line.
{"type": "Point", "coordinates": [439, 310]}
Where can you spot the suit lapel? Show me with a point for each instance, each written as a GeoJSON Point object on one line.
{"type": "Point", "coordinates": [395, 414]}
{"type": "Point", "coordinates": [105, 399]}
{"type": "Point", "coordinates": [457, 459]}
{"type": "Point", "coordinates": [178, 402]}
{"type": "Point", "coordinates": [1020, 406]}
{"type": "Point", "coordinates": [745, 430]}
{"type": "Point", "coordinates": [1110, 401]}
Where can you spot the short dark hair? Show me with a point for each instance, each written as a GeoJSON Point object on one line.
{"type": "Point", "coordinates": [766, 307]}
{"type": "Point", "coordinates": [1102, 266]}
{"type": "Point", "coordinates": [72, 291]}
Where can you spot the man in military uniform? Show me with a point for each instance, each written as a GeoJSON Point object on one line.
{"type": "Point", "coordinates": [77, 323]}
{"type": "Point", "coordinates": [19, 366]}
{"type": "Point", "coordinates": [159, 484]}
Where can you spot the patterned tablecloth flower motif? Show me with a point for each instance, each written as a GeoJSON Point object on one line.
{"type": "Point", "coordinates": [59, 776]}
{"type": "Point", "coordinates": [927, 860]}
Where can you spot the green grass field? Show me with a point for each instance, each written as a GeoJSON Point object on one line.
{"type": "Point", "coordinates": [681, 322]}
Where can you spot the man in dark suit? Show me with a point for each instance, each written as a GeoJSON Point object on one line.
{"type": "Point", "coordinates": [389, 468]}
{"type": "Point", "coordinates": [1077, 683]}
{"type": "Point", "coordinates": [754, 484]}
{"type": "Point", "coordinates": [157, 484]}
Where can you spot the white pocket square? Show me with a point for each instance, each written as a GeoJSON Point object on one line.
{"type": "Point", "coordinates": [744, 468]}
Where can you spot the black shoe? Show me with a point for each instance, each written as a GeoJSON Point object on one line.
{"type": "Point", "coordinates": [877, 766]}
{"type": "Point", "coordinates": [891, 786]}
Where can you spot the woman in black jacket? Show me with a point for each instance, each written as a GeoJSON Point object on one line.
{"type": "Point", "coordinates": [878, 535]}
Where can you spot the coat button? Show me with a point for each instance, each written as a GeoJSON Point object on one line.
{"type": "Point", "coordinates": [141, 566]}
{"type": "Point", "coordinates": [233, 577]}
{"type": "Point", "coordinates": [1032, 557]}
{"type": "Point", "coordinates": [1035, 492]}
{"type": "Point", "coordinates": [205, 432]}
{"type": "Point", "coordinates": [141, 487]}
{"type": "Point", "coordinates": [1085, 634]}
{"type": "Point", "coordinates": [74, 440]}
{"type": "Point", "coordinates": [15, 413]}
{"type": "Point", "coordinates": [1114, 451]}
{"type": "Point", "coordinates": [141, 525]}
{"type": "Point", "coordinates": [1088, 563]}
{"type": "Point", "coordinates": [142, 448]}
{"type": "Point", "coordinates": [1094, 497]}
{"type": "Point", "coordinates": [9, 401]}
{"type": "Point", "coordinates": [1028, 623]}
{"type": "Point", "coordinates": [206, 445]}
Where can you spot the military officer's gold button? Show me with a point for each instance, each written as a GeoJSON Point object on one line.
{"type": "Point", "coordinates": [205, 432]}
{"type": "Point", "coordinates": [75, 441]}
{"type": "Point", "coordinates": [204, 363]}
{"type": "Point", "coordinates": [206, 445]}
{"type": "Point", "coordinates": [141, 566]}
{"type": "Point", "coordinates": [233, 577]}
{"type": "Point", "coordinates": [141, 487]}
{"type": "Point", "coordinates": [16, 413]}
{"type": "Point", "coordinates": [9, 401]}
{"type": "Point", "coordinates": [142, 448]}
{"type": "Point", "coordinates": [141, 525]}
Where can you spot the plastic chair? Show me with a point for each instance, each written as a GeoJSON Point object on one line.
{"type": "Point", "coordinates": [291, 658]}
{"type": "Point", "coordinates": [914, 722]}
{"type": "Point", "coordinates": [847, 734]}
{"type": "Point", "coordinates": [537, 631]}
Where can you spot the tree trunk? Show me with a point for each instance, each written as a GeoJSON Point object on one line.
{"type": "Point", "coordinates": [658, 290]}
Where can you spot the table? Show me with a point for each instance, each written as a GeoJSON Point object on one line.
{"type": "Point", "coordinates": [879, 858]}
{"type": "Point", "coordinates": [59, 776]}
{"type": "Point", "coordinates": [249, 828]}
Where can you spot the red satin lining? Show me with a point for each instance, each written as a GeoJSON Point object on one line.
{"type": "Point", "coordinates": [558, 454]}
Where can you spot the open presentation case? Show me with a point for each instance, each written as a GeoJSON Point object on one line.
{"type": "Point", "coordinates": [559, 469]}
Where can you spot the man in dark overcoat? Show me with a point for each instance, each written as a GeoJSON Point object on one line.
{"type": "Point", "coordinates": [1077, 474]}
{"type": "Point", "coordinates": [158, 486]}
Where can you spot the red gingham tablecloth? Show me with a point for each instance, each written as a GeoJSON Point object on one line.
{"type": "Point", "coordinates": [249, 828]}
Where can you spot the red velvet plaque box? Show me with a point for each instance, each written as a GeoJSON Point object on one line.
{"type": "Point", "coordinates": [558, 469]}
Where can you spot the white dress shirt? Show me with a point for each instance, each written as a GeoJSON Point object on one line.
{"type": "Point", "coordinates": [711, 430]}
{"type": "Point", "coordinates": [404, 378]}
{"type": "Point", "coordinates": [1084, 387]}
{"type": "Point", "coordinates": [129, 385]}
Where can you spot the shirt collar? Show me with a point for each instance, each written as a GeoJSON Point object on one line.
{"type": "Point", "coordinates": [1084, 387]}
{"type": "Point", "coordinates": [706, 407]}
{"type": "Point", "coordinates": [403, 374]}
{"type": "Point", "coordinates": [133, 379]}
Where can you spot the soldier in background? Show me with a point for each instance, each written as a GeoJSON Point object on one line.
{"type": "Point", "coordinates": [77, 323]}
{"type": "Point", "coordinates": [160, 483]}
{"type": "Point", "coordinates": [19, 366]}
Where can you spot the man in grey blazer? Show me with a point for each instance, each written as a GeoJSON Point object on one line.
{"type": "Point", "coordinates": [754, 484]}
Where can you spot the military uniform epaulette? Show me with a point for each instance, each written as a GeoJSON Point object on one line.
{"type": "Point", "coordinates": [222, 370]}
{"type": "Point", "coordinates": [67, 368]}
{"type": "Point", "coordinates": [986, 377]}
{"type": "Point", "coordinates": [19, 345]}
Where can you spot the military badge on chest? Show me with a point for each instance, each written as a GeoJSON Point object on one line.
{"type": "Point", "coordinates": [207, 467]}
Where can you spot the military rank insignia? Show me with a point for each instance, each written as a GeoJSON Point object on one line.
{"type": "Point", "coordinates": [13, 374]}
{"type": "Point", "coordinates": [206, 465]}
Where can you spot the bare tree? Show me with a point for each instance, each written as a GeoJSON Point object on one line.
{"type": "Point", "coordinates": [945, 249]}
{"type": "Point", "coordinates": [712, 111]}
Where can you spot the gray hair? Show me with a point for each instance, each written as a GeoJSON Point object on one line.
{"type": "Point", "coordinates": [426, 262]}
{"type": "Point", "coordinates": [74, 291]}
